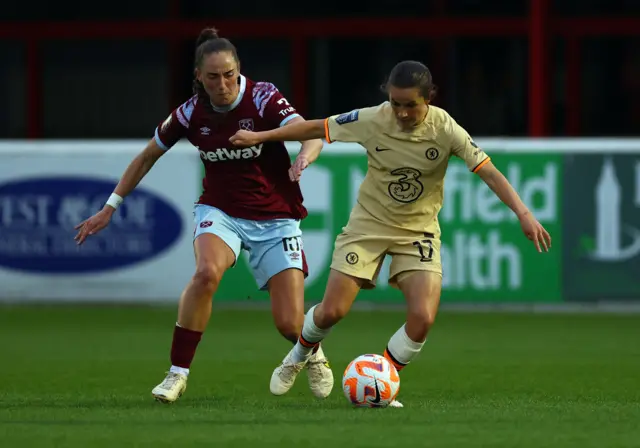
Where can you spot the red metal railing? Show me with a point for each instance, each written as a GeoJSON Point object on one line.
{"type": "Point", "coordinates": [538, 28]}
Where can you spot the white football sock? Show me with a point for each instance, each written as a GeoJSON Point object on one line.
{"type": "Point", "coordinates": [182, 370]}
{"type": "Point", "coordinates": [401, 349]}
{"type": "Point", "coordinates": [310, 338]}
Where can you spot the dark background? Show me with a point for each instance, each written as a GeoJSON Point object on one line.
{"type": "Point", "coordinates": [60, 78]}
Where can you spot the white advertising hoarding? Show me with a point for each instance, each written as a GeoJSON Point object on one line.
{"type": "Point", "coordinates": [46, 189]}
{"type": "Point", "coordinates": [146, 254]}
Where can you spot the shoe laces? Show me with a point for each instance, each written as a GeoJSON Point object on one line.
{"type": "Point", "coordinates": [292, 368]}
{"type": "Point", "coordinates": [171, 380]}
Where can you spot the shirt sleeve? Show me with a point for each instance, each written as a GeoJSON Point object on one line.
{"type": "Point", "coordinates": [354, 126]}
{"type": "Point", "coordinates": [272, 105]}
{"type": "Point", "coordinates": [175, 126]}
{"type": "Point", "coordinates": [465, 148]}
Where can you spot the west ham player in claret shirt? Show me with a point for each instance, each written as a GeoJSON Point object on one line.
{"type": "Point", "coordinates": [251, 200]}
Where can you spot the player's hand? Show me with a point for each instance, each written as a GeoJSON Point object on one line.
{"type": "Point", "coordinates": [296, 169]}
{"type": "Point", "coordinates": [244, 139]}
{"type": "Point", "coordinates": [534, 231]}
{"type": "Point", "coordinates": [93, 225]}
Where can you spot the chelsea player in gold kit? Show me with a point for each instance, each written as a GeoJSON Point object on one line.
{"type": "Point", "coordinates": [408, 143]}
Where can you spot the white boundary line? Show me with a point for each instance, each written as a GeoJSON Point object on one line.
{"type": "Point", "coordinates": [491, 145]}
{"type": "Point", "coordinates": [599, 307]}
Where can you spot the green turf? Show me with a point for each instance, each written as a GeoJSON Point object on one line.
{"type": "Point", "coordinates": [81, 377]}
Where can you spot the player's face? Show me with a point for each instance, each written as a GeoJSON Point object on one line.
{"type": "Point", "coordinates": [219, 73]}
{"type": "Point", "coordinates": [409, 106]}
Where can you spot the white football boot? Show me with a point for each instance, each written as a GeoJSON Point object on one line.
{"type": "Point", "coordinates": [396, 404]}
{"type": "Point", "coordinates": [319, 374]}
{"type": "Point", "coordinates": [285, 375]}
{"type": "Point", "coordinates": [171, 388]}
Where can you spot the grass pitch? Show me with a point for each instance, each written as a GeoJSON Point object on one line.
{"type": "Point", "coordinates": [82, 377]}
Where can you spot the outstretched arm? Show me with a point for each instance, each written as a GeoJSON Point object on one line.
{"type": "Point", "coordinates": [300, 131]}
{"type": "Point", "coordinates": [502, 188]}
{"type": "Point", "coordinates": [137, 169]}
{"type": "Point", "coordinates": [479, 162]}
{"type": "Point", "coordinates": [132, 176]}
{"type": "Point", "coordinates": [505, 192]}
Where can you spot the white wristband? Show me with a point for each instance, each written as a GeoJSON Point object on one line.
{"type": "Point", "coordinates": [115, 200]}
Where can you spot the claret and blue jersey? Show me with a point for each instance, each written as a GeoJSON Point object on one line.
{"type": "Point", "coordinates": [250, 183]}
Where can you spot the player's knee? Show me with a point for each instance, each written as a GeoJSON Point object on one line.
{"type": "Point", "coordinates": [208, 276]}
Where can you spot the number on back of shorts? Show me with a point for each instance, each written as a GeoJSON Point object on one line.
{"type": "Point", "coordinates": [291, 244]}
{"type": "Point", "coordinates": [425, 248]}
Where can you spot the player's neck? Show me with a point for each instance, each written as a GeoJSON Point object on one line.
{"type": "Point", "coordinates": [236, 101]}
{"type": "Point", "coordinates": [223, 109]}
{"type": "Point", "coordinates": [417, 125]}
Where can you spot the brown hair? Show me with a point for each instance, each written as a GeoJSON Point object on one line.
{"type": "Point", "coordinates": [408, 74]}
{"type": "Point", "coordinates": [209, 42]}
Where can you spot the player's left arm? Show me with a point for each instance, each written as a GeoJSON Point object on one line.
{"type": "Point", "coordinates": [280, 116]}
{"type": "Point", "coordinates": [309, 152]}
{"type": "Point", "coordinates": [480, 163]}
{"type": "Point", "coordinates": [508, 195]}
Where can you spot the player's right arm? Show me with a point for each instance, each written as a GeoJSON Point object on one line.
{"type": "Point", "coordinates": [167, 134]}
{"type": "Point", "coordinates": [349, 127]}
{"type": "Point", "coordinates": [131, 177]}
{"type": "Point", "coordinates": [137, 169]}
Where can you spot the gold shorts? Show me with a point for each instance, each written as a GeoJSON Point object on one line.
{"type": "Point", "coordinates": [361, 255]}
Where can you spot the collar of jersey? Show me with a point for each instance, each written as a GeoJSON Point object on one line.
{"type": "Point", "coordinates": [243, 86]}
{"type": "Point", "coordinates": [424, 127]}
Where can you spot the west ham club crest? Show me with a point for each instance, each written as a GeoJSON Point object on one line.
{"type": "Point", "coordinates": [246, 124]}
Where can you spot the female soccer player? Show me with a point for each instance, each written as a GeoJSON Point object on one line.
{"type": "Point", "coordinates": [408, 144]}
{"type": "Point", "coordinates": [250, 201]}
